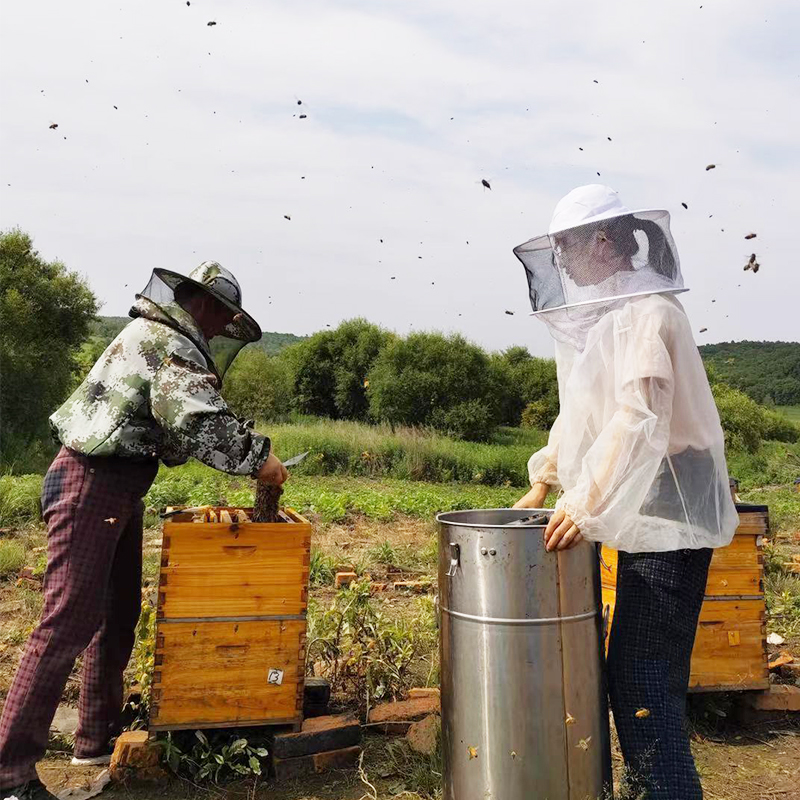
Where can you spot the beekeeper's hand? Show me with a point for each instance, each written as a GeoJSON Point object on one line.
{"type": "Point", "coordinates": [561, 532]}
{"type": "Point", "coordinates": [534, 498]}
{"type": "Point", "coordinates": [272, 471]}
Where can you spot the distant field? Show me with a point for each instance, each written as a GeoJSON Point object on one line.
{"type": "Point", "coordinates": [793, 412]}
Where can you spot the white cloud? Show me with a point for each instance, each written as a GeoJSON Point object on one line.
{"type": "Point", "coordinates": [204, 155]}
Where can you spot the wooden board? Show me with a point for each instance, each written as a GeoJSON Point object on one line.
{"type": "Point", "coordinates": [217, 570]}
{"type": "Point", "coordinates": [729, 652]}
{"type": "Point", "coordinates": [232, 605]}
{"type": "Point", "coordinates": [214, 674]}
{"type": "Point", "coordinates": [730, 648]}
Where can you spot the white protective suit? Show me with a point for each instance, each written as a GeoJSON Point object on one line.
{"type": "Point", "coordinates": [637, 448]}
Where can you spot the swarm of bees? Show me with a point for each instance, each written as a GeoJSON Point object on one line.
{"type": "Point", "coordinates": [752, 264]}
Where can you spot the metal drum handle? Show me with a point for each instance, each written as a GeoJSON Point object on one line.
{"type": "Point", "coordinates": [455, 559]}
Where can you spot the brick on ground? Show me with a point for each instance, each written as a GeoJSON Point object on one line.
{"type": "Point", "coordinates": [779, 697]}
{"type": "Point", "coordinates": [345, 579]}
{"type": "Point", "coordinates": [423, 736]}
{"type": "Point", "coordinates": [397, 717]}
{"type": "Point", "coordinates": [133, 754]}
{"type": "Point", "coordinates": [429, 691]}
{"type": "Point", "coordinates": [287, 768]}
{"type": "Point", "coordinates": [318, 735]}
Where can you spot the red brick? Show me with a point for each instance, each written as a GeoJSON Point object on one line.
{"type": "Point", "coordinates": [132, 754]}
{"type": "Point", "coordinates": [432, 691]}
{"type": "Point", "coordinates": [779, 697]}
{"type": "Point", "coordinates": [423, 736]}
{"type": "Point", "coordinates": [405, 711]}
{"type": "Point", "coordinates": [345, 579]}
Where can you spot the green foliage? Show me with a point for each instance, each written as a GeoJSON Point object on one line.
{"type": "Point", "coordinates": [214, 757]}
{"type": "Point", "coordinates": [384, 553]}
{"type": "Point", "coordinates": [472, 420]}
{"type": "Point", "coordinates": [539, 414]}
{"type": "Point", "coordinates": [12, 557]}
{"type": "Point", "coordinates": [334, 499]}
{"type": "Point", "coordinates": [258, 386]}
{"type": "Point", "coordinates": [86, 356]}
{"type": "Point", "coordinates": [331, 367]}
{"type": "Point", "coordinates": [746, 424]}
{"type": "Point", "coordinates": [142, 662]}
{"type": "Point", "coordinates": [368, 654]}
{"type": "Point", "coordinates": [45, 313]}
{"type": "Point", "coordinates": [424, 378]}
{"type": "Point", "coordinates": [19, 498]}
{"type": "Point", "coordinates": [322, 568]}
{"type": "Point", "coordinates": [522, 380]}
{"type": "Point", "coordinates": [350, 448]}
{"type": "Point", "coordinates": [763, 370]}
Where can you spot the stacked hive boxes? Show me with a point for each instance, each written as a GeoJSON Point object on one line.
{"type": "Point", "coordinates": [730, 650]}
{"type": "Point", "coordinates": [231, 623]}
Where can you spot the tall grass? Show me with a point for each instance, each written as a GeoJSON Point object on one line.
{"type": "Point", "coordinates": [19, 498]}
{"type": "Point", "coordinates": [12, 557]}
{"type": "Point", "coordinates": [352, 448]}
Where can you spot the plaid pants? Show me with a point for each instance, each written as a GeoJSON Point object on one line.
{"type": "Point", "coordinates": [92, 595]}
{"type": "Point", "coordinates": [659, 596]}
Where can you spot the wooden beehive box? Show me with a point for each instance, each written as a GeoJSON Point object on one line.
{"type": "Point", "coordinates": [730, 651]}
{"type": "Point", "coordinates": [231, 624]}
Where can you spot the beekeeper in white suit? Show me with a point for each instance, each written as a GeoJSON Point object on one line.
{"type": "Point", "coordinates": [637, 453]}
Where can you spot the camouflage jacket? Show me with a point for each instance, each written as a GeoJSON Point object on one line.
{"type": "Point", "coordinates": [154, 393]}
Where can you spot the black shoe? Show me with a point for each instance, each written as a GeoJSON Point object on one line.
{"type": "Point", "coordinates": [32, 790]}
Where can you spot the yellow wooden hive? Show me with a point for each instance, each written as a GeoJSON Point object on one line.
{"type": "Point", "coordinates": [730, 651]}
{"type": "Point", "coordinates": [231, 623]}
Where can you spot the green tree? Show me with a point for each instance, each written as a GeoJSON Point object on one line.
{"type": "Point", "coordinates": [523, 379]}
{"type": "Point", "coordinates": [330, 369]}
{"type": "Point", "coordinates": [442, 381]}
{"type": "Point", "coordinates": [258, 385]}
{"type": "Point", "coordinates": [45, 314]}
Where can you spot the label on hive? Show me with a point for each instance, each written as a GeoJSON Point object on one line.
{"type": "Point", "coordinates": [275, 677]}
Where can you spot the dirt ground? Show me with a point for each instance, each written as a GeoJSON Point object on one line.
{"type": "Point", "coordinates": [752, 764]}
{"type": "Point", "coordinates": [757, 762]}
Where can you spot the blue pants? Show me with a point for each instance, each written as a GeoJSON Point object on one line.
{"type": "Point", "coordinates": [658, 602]}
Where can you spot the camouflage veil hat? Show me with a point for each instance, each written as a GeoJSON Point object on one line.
{"type": "Point", "coordinates": [162, 300]}
{"type": "Point", "coordinates": [220, 283]}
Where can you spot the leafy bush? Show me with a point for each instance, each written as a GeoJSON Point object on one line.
{"type": "Point", "coordinates": [259, 386]}
{"type": "Point", "coordinates": [523, 379]}
{"type": "Point", "coordinates": [12, 557]}
{"type": "Point", "coordinates": [424, 378]}
{"type": "Point", "coordinates": [366, 653]}
{"type": "Point", "coordinates": [539, 414]}
{"type": "Point", "coordinates": [472, 420]}
{"type": "Point", "coordinates": [213, 757]}
{"type": "Point", "coordinates": [330, 369]}
{"type": "Point", "coordinates": [746, 424]}
{"type": "Point", "coordinates": [45, 313]}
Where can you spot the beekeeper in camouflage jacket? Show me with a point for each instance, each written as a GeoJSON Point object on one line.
{"type": "Point", "coordinates": [153, 395]}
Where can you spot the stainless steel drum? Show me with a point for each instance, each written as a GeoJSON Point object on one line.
{"type": "Point", "coordinates": [524, 714]}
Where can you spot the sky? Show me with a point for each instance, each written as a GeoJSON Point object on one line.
{"type": "Point", "coordinates": [330, 153]}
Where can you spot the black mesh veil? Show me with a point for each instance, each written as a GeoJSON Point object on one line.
{"type": "Point", "coordinates": [622, 256]}
{"type": "Point", "coordinates": [218, 327]}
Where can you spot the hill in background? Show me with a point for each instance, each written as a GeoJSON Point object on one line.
{"type": "Point", "coordinates": [769, 372]}
{"type": "Point", "coordinates": [271, 343]}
